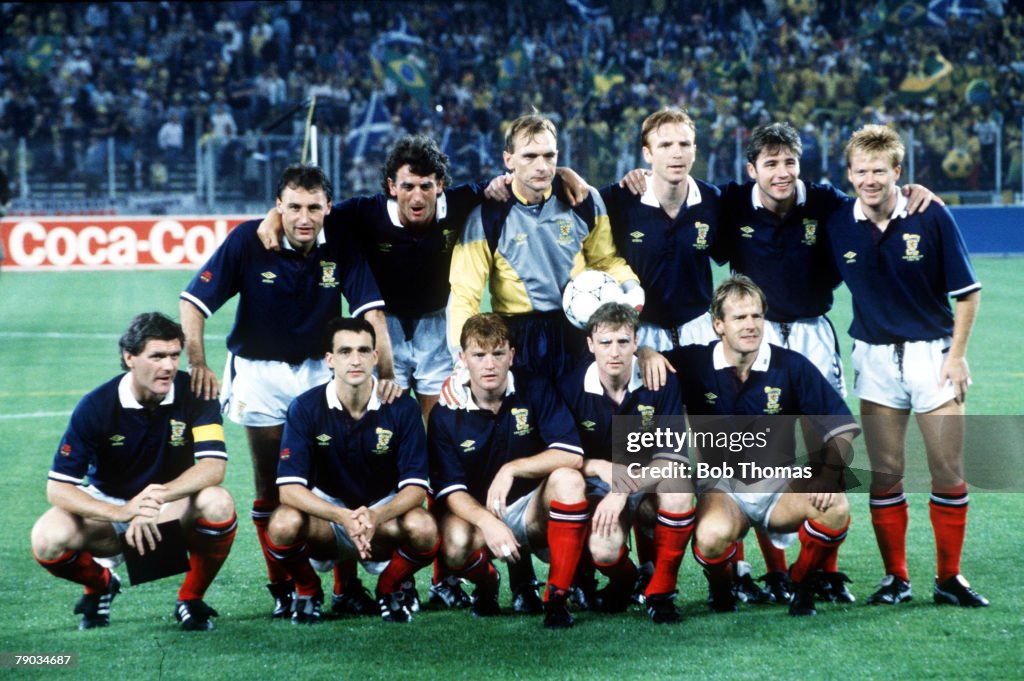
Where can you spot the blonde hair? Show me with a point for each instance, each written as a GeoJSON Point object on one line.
{"type": "Point", "coordinates": [666, 116]}
{"type": "Point", "coordinates": [876, 140]}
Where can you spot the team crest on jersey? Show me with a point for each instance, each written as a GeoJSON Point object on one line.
{"type": "Point", "coordinates": [710, 398]}
{"type": "Point", "coordinates": [773, 394]}
{"type": "Point", "coordinates": [638, 236]}
{"type": "Point", "coordinates": [520, 239]}
{"type": "Point", "coordinates": [327, 279]}
{"type": "Point", "coordinates": [564, 232]}
{"type": "Point", "coordinates": [448, 235]}
{"type": "Point", "coordinates": [177, 433]}
{"type": "Point", "coordinates": [810, 232]}
{"type": "Point", "coordinates": [467, 445]}
{"type": "Point", "coordinates": [646, 416]}
{"type": "Point", "coordinates": [323, 440]}
{"type": "Point", "coordinates": [268, 277]}
{"type": "Point", "coordinates": [588, 426]}
{"type": "Point", "coordinates": [702, 235]}
{"type": "Point", "coordinates": [65, 450]}
{"type": "Point", "coordinates": [747, 232]}
{"type": "Point", "coordinates": [522, 421]}
{"type": "Point", "coordinates": [850, 257]}
{"type": "Point", "coordinates": [912, 241]}
{"type": "Point", "coordinates": [116, 440]}
{"type": "Point", "coordinates": [383, 441]}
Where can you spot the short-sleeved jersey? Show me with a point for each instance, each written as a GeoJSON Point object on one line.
{"type": "Point", "coordinates": [356, 461]}
{"type": "Point", "coordinates": [780, 383]}
{"type": "Point", "coordinates": [593, 410]}
{"type": "Point", "coordinates": [469, 445]}
{"type": "Point", "coordinates": [789, 257]}
{"type": "Point", "coordinates": [285, 299]}
{"type": "Point", "coordinates": [672, 257]}
{"type": "Point", "coordinates": [121, 446]}
{"type": "Point", "coordinates": [411, 267]}
{"type": "Point", "coordinates": [901, 279]}
{"type": "Point", "coordinates": [528, 253]}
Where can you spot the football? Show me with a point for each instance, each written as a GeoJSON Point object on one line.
{"type": "Point", "coordinates": [957, 164]}
{"type": "Point", "coordinates": [586, 292]}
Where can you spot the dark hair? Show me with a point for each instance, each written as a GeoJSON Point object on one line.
{"type": "Point", "coordinates": [356, 324]}
{"type": "Point", "coordinates": [489, 330]}
{"type": "Point", "coordinates": [772, 138]}
{"type": "Point", "coordinates": [614, 315]}
{"type": "Point", "coordinates": [305, 176]}
{"type": "Point", "coordinates": [145, 327]}
{"type": "Point", "coordinates": [737, 285]}
{"type": "Point", "coordinates": [421, 154]}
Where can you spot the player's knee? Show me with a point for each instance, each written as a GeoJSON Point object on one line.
{"type": "Point", "coordinates": [712, 538]}
{"type": "Point", "coordinates": [566, 485]}
{"type": "Point", "coordinates": [456, 545]}
{"type": "Point", "coordinates": [215, 504]}
{"type": "Point", "coordinates": [52, 534]}
{"type": "Point", "coordinates": [286, 525]}
{"type": "Point", "coordinates": [675, 502]}
{"type": "Point", "coordinates": [836, 515]}
{"type": "Point", "coordinates": [605, 550]}
{"type": "Point", "coordinates": [420, 529]}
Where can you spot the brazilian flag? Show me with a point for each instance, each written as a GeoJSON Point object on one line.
{"type": "Point", "coordinates": [510, 65]}
{"type": "Point", "coordinates": [612, 76]}
{"type": "Point", "coordinates": [408, 75]}
{"type": "Point", "coordinates": [908, 14]}
{"type": "Point", "coordinates": [978, 91]}
{"type": "Point", "coordinates": [917, 86]}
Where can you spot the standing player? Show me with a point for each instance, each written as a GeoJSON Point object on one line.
{"type": "Point", "coordinates": [596, 393]}
{"type": "Point", "coordinates": [153, 452]}
{"type": "Point", "coordinates": [909, 354]}
{"type": "Point", "coordinates": [285, 300]}
{"type": "Point", "coordinates": [352, 478]}
{"type": "Point", "coordinates": [744, 376]}
{"type": "Point", "coordinates": [506, 467]}
{"type": "Point", "coordinates": [528, 249]}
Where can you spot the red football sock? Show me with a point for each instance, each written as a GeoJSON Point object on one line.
{"type": "Point", "coordinates": [261, 512]}
{"type": "Point", "coordinates": [344, 572]}
{"type": "Point", "coordinates": [477, 569]}
{"type": "Point", "coordinates": [208, 549]}
{"type": "Point", "coordinates": [671, 533]}
{"type": "Point", "coordinates": [620, 570]}
{"type": "Point", "coordinates": [404, 564]}
{"type": "Point", "coordinates": [948, 512]}
{"type": "Point", "coordinates": [717, 570]}
{"type": "Point", "coordinates": [889, 517]}
{"type": "Point", "coordinates": [817, 542]}
{"type": "Point", "coordinates": [293, 561]}
{"type": "Point", "coordinates": [774, 557]}
{"type": "Point", "coordinates": [567, 534]}
{"type": "Point", "coordinates": [644, 546]}
{"type": "Point", "coordinates": [739, 551]}
{"type": "Point", "coordinates": [79, 567]}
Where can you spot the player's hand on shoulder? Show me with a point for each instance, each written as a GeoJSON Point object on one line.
{"type": "Point", "coordinates": [635, 181]}
{"type": "Point", "coordinates": [454, 390]}
{"type": "Point", "coordinates": [388, 391]}
{"type": "Point", "coordinates": [498, 188]}
{"type": "Point", "coordinates": [919, 198]}
{"type": "Point", "coordinates": [576, 188]}
{"type": "Point", "coordinates": [654, 368]}
{"type": "Point", "coordinates": [203, 381]}
{"type": "Point", "coordinates": [633, 294]}
{"type": "Point", "coordinates": [270, 230]}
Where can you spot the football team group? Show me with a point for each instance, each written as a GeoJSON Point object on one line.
{"type": "Point", "coordinates": [506, 453]}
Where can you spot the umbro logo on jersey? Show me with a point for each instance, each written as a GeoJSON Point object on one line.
{"type": "Point", "coordinates": [323, 439]}
{"type": "Point", "coordinates": [116, 440]}
{"type": "Point", "coordinates": [638, 236]}
{"type": "Point", "coordinates": [710, 398]}
{"type": "Point", "coordinates": [268, 277]}
{"type": "Point", "coordinates": [384, 247]}
{"type": "Point", "coordinates": [467, 445]}
{"type": "Point", "coordinates": [747, 232]}
{"type": "Point", "coordinates": [588, 426]}
{"type": "Point", "coordinates": [851, 257]}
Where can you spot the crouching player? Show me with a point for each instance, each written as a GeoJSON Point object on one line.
{"type": "Point", "coordinates": [352, 477]}
{"type": "Point", "coordinates": [153, 453]}
{"type": "Point", "coordinates": [506, 466]}
{"type": "Point", "coordinates": [743, 376]}
{"type": "Point", "coordinates": [608, 387]}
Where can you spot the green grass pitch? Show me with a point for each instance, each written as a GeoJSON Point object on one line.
{"type": "Point", "coordinates": [58, 333]}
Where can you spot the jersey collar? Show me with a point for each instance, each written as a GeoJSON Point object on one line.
{"type": "Point", "coordinates": [592, 379]}
{"type": "Point", "coordinates": [471, 404]}
{"type": "Point", "coordinates": [692, 194]}
{"type": "Point", "coordinates": [334, 403]}
{"type": "Point", "coordinates": [801, 194]}
{"type": "Point", "coordinates": [899, 211]}
{"type": "Point", "coordinates": [286, 245]}
{"type": "Point", "coordinates": [521, 199]}
{"type": "Point", "coordinates": [127, 397]}
{"type": "Point", "coordinates": [440, 211]}
{"type": "Point", "coordinates": [764, 357]}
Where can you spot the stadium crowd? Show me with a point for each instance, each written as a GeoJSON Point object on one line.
{"type": "Point", "coordinates": [157, 77]}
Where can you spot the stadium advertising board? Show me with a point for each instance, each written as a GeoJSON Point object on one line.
{"type": "Point", "coordinates": [165, 242]}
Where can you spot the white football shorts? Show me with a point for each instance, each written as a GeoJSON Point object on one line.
{"type": "Point", "coordinates": [422, 362]}
{"type": "Point", "coordinates": [902, 376]}
{"type": "Point", "coordinates": [697, 331]}
{"type": "Point", "coordinates": [257, 392]}
{"type": "Point", "coordinates": [815, 339]}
